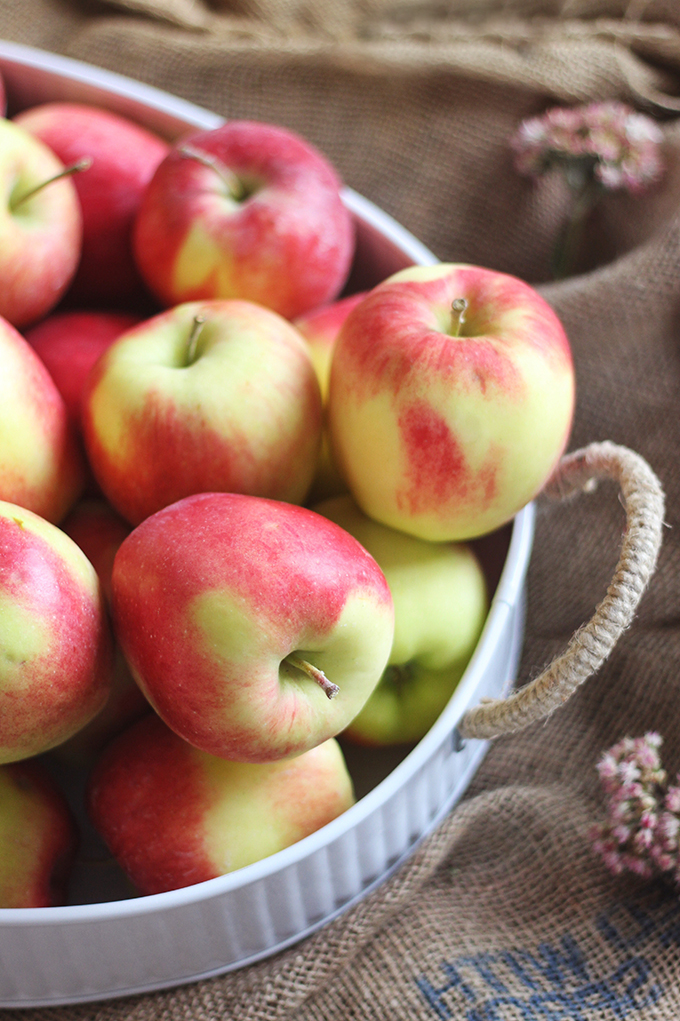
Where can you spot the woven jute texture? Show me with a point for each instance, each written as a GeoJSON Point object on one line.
{"type": "Point", "coordinates": [505, 913]}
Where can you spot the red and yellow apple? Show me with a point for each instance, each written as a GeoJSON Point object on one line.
{"type": "Point", "coordinates": [55, 642]}
{"type": "Point", "coordinates": [38, 838]}
{"type": "Point", "coordinates": [124, 157]}
{"type": "Point", "coordinates": [40, 227]}
{"type": "Point", "coordinates": [450, 401]}
{"type": "Point", "coordinates": [41, 466]}
{"type": "Point", "coordinates": [99, 531]}
{"type": "Point", "coordinates": [320, 328]}
{"type": "Point", "coordinates": [173, 815]}
{"type": "Point", "coordinates": [246, 210]}
{"type": "Point", "coordinates": [69, 343]}
{"type": "Point", "coordinates": [242, 617]}
{"type": "Point", "coordinates": [208, 396]}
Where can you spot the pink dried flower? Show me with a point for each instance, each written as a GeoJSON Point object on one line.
{"type": "Point", "coordinates": [641, 830]}
{"type": "Point", "coordinates": [673, 800]}
{"type": "Point", "coordinates": [598, 147]}
{"type": "Point", "coordinates": [613, 144]}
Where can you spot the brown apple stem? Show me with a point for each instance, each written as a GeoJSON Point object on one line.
{"type": "Point", "coordinates": [231, 181]}
{"type": "Point", "coordinates": [192, 342]}
{"type": "Point", "coordinates": [75, 168]}
{"type": "Point", "coordinates": [317, 675]}
{"type": "Point", "coordinates": [458, 310]}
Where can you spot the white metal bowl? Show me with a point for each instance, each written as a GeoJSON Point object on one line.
{"type": "Point", "coordinates": [113, 944]}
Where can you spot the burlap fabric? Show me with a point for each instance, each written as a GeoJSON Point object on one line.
{"type": "Point", "coordinates": [505, 912]}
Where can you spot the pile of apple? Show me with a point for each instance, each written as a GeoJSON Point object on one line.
{"type": "Point", "coordinates": [235, 502]}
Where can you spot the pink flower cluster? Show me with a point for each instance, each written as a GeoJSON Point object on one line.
{"type": "Point", "coordinates": [641, 830]}
{"type": "Point", "coordinates": [619, 147]}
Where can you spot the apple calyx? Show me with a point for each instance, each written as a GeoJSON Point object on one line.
{"type": "Point", "coordinates": [192, 342]}
{"type": "Point", "coordinates": [398, 675]}
{"type": "Point", "coordinates": [74, 168]}
{"type": "Point", "coordinates": [234, 185]}
{"type": "Point", "coordinates": [329, 689]}
{"type": "Point", "coordinates": [458, 310]}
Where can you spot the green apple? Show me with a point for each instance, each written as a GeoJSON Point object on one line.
{"type": "Point", "coordinates": [440, 605]}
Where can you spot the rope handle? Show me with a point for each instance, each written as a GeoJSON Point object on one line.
{"type": "Point", "coordinates": [643, 500]}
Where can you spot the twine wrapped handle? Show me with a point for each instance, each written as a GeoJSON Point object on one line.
{"type": "Point", "coordinates": [643, 500]}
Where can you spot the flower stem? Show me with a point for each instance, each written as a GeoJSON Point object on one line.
{"type": "Point", "coordinates": [585, 194]}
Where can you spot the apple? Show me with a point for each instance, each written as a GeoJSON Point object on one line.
{"type": "Point", "coordinates": [38, 838]}
{"type": "Point", "coordinates": [99, 532]}
{"type": "Point", "coordinates": [40, 227]}
{"type": "Point", "coordinates": [55, 645]}
{"type": "Point", "coordinates": [96, 528]}
{"type": "Point", "coordinates": [440, 605]}
{"type": "Point", "coordinates": [451, 399]}
{"type": "Point", "coordinates": [320, 328]}
{"type": "Point", "coordinates": [246, 210]}
{"type": "Point", "coordinates": [124, 158]}
{"type": "Point", "coordinates": [173, 815]}
{"type": "Point", "coordinates": [208, 396]}
{"type": "Point", "coordinates": [69, 344]}
{"type": "Point", "coordinates": [257, 629]}
{"type": "Point", "coordinates": [41, 466]}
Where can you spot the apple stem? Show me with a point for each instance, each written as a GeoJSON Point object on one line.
{"type": "Point", "coordinates": [317, 675]}
{"type": "Point", "coordinates": [233, 185]}
{"type": "Point", "coordinates": [75, 168]}
{"type": "Point", "coordinates": [192, 342]}
{"type": "Point", "coordinates": [458, 308]}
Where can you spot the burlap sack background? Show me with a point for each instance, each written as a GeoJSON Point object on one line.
{"type": "Point", "coordinates": [504, 913]}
